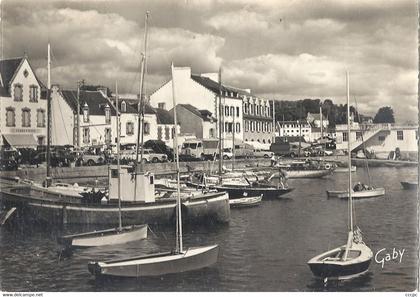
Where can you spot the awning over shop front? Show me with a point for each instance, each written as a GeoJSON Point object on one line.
{"type": "Point", "coordinates": [20, 140]}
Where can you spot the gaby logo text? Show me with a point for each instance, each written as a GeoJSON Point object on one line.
{"type": "Point", "coordinates": [383, 256]}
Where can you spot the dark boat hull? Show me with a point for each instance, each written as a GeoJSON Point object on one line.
{"type": "Point", "coordinates": [335, 271]}
{"type": "Point", "coordinates": [212, 207]}
{"type": "Point", "coordinates": [409, 185]}
{"type": "Point", "coordinates": [239, 192]}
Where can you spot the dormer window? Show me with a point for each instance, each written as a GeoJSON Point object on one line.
{"type": "Point", "coordinates": [123, 106]}
{"type": "Point", "coordinates": [18, 92]}
{"type": "Point", "coordinates": [107, 114]}
{"type": "Point", "coordinates": [85, 113]}
{"type": "Point", "coordinates": [33, 93]}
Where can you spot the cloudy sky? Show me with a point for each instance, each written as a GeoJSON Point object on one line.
{"type": "Point", "coordinates": [281, 49]}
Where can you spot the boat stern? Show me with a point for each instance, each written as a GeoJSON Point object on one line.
{"type": "Point", "coordinates": [95, 268]}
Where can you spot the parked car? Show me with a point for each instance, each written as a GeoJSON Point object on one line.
{"type": "Point", "coordinates": [150, 156]}
{"type": "Point", "coordinates": [258, 153]}
{"type": "Point", "coordinates": [56, 159]}
{"type": "Point", "coordinates": [93, 159]}
{"type": "Point", "coordinates": [159, 146]}
{"type": "Point", "coordinates": [227, 154]}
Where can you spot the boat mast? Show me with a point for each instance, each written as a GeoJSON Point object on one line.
{"type": "Point", "coordinates": [349, 153]}
{"type": "Point", "coordinates": [179, 248]}
{"type": "Point", "coordinates": [233, 140]}
{"type": "Point", "coordinates": [118, 156]}
{"type": "Point", "coordinates": [220, 123]}
{"type": "Point", "coordinates": [140, 110]}
{"type": "Point", "coordinates": [48, 117]}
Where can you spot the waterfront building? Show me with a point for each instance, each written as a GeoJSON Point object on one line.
{"type": "Point", "coordinates": [198, 122]}
{"type": "Point", "coordinates": [201, 91]}
{"type": "Point", "coordinates": [258, 119]}
{"type": "Point", "coordinates": [23, 105]}
{"type": "Point", "coordinates": [295, 129]}
{"type": "Point", "coordinates": [315, 120]}
{"type": "Point", "coordinates": [378, 138]}
{"type": "Point", "coordinates": [95, 117]}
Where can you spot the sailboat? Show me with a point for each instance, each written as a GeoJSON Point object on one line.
{"type": "Point", "coordinates": [112, 236]}
{"type": "Point", "coordinates": [360, 191]}
{"type": "Point", "coordinates": [177, 261]}
{"type": "Point", "coordinates": [353, 258]}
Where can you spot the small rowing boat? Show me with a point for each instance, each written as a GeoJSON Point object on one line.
{"type": "Point", "coordinates": [245, 202]}
{"type": "Point", "coordinates": [369, 193]}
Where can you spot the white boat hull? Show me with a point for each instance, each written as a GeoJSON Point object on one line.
{"type": "Point", "coordinates": [357, 195]}
{"type": "Point", "coordinates": [157, 264]}
{"type": "Point", "coordinates": [245, 202]}
{"type": "Point", "coordinates": [106, 237]}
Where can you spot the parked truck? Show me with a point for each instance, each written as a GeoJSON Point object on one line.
{"type": "Point", "coordinates": [284, 148]}
{"type": "Point", "coordinates": [203, 149]}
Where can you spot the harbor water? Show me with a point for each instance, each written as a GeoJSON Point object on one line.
{"type": "Point", "coordinates": [264, 248]}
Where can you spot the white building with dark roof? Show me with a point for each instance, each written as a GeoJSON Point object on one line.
{"type": "Point", "coordinates": [23, 105]}
{"type": "Point", "coordinates": [201, 91]}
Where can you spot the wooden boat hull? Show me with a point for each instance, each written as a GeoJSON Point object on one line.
{"type": "Point", "coordinates": [158, 264]}
{"type": "Point", "coordinates": [357, 195]}
{"type": "Point", "coordinates": [337, 269]}
{"type": "Point", "coordinates": [409, 185]}
{"type": "Point", "coordinates": [106, 237]}
{"type": "Point", "coordinates": [213, 207]}
{"type": "Point", "coordinates": [245, 202]}
{"type": "Point", "coordinates": [345, 169]}
{"type": "Point", "coordinates": [308, 173]}
{"type": "Point", "coordinates": [240, 192]}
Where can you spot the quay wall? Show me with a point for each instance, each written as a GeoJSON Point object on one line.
{"type": "Point", "coordinates": [101, 172]}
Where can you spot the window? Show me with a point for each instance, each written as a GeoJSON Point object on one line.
{"type": "Point", "coordinates": [40, 118]}
{"type": "Point", "coordinates": [211, 133]}
{"type": "Point", "coordinates": [345, 136]}
{"type": "Point", "coordinates": [18, 92]}
{"type": "Point", "coordinates": [86, 135]}
{"type": "Point", "coordinates": [226, 127]}
{"type": "Point", "coordinates": [107, 114]}
{"type": "Point", "coordinates": [41, 140]}
{"type": "Point", "coordinates": [400, 135]}
{"type": "Point", "coordinates": [252, 108]}
{"type": "Point", "coordinates": [381, 137]}
{"type": "Point", "coordinates": [129, 128]}
{"type": "Point", "coordinates": [232, 111]}
{"type": "Point", "coordinates": [246, 125]}
{"type": "Point", "coordinates": [85, 113]}
{"type": "Point", "coordinates": [173, 132]}
{"type": "Point", "coordinates": [358, 135]}
{"type": "Point", "coordinates": [33, 93]}
{"type": "Point", "coordinates": [160, 133]}
{"type": "Point", "coordinates": [245, 108]}
{"type": "Point", "coordinates": [26, 117]}
{"type": "Point", "coordinates": [167, 133]}
{"type": "Point", "coordinates": [238, 127]}
{"type": "Point", "coordinates": [237, 111]}
{"type": "Point", "coordinates": [123, 106]}
{"type": "Point", "coordinates": [226, 110]}
{"type": "Point", "coordinates": [107, 135]}
{"type": "Point", "coordinates": [146, 128]}
{"type": "Point", "coordinates": [10, 117]}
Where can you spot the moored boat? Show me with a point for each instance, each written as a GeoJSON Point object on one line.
{"type": "Point", "coordinates": [105, 237]}
{"type": "Point", "coordinates": [345, 169]}
{"type": "Point", "coordinates": [256, 189]}
{"type": "Point", "coordinates": [409, 185]}
{"type": "Point", "coordinates": [369, 193]}
{"type": "Point", "coordinates": [245, 202]}
{"type": "Point", "coordinates": [332, 265]}
{"type": "Point", "coordinates": [157, 264]}
{"type": "Point", "coordinates": [353, 258]}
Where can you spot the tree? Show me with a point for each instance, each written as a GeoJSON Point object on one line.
{"type": "Point", "coordinates": [384, 115]}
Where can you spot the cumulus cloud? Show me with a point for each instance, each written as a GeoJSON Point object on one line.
{"type": "Point", "coordinates": [279, 49]}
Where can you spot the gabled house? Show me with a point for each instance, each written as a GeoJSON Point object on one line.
{"type": "Point", "coordinates": [198, 122]}
{"type": "Point", "coordinates": [95, 117]}
{"type": "Point", "coordinates": [23, 104]}
{"type": "Point", "coordinates": [315, 120]}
